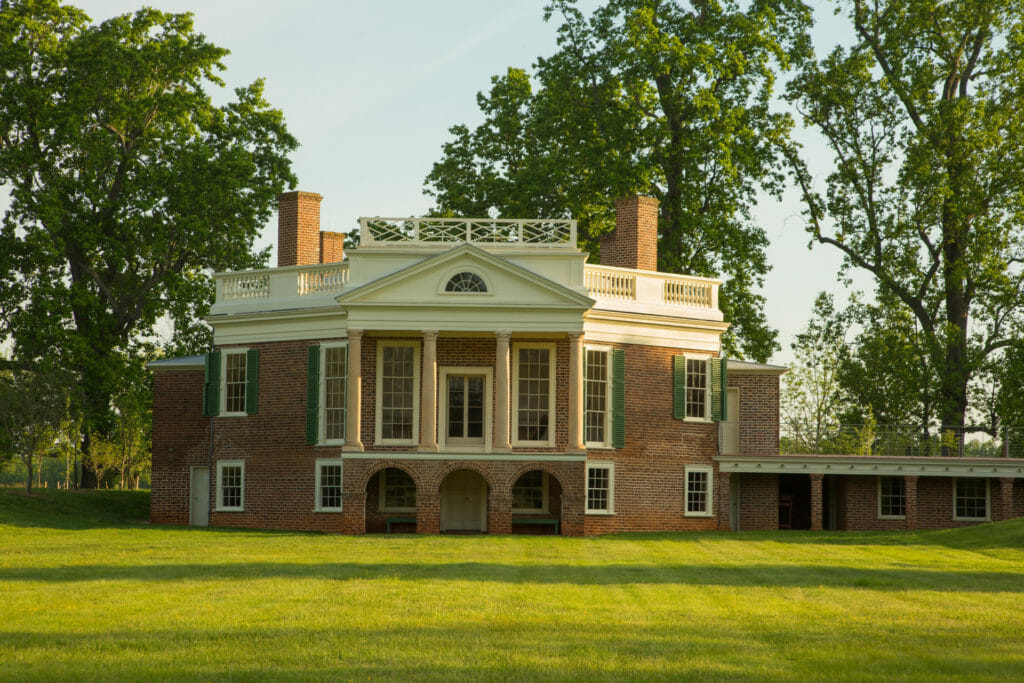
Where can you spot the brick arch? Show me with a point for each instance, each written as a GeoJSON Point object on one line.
{"type": "Point", "coordinates": [527, 467]}
{"type": "Point", "coordinates": [483, 471]}
{"type": "Point", "coordinates": [414, 472]}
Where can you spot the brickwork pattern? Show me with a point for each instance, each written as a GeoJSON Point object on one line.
{"type": "Point", "coordinates": [759, 502]}
{"type": "Point", "coordinates": [634, 242]}
{"type": "Point", "coordinates": [759, 412]}
{"type": "Point", "coordinates": [298, 229]}
{"type": "Point", "coordinates": [181, 438]}
{"type": "Point", "coordinates": [332, 246]}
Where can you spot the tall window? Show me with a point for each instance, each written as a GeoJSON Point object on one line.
{"type": "Point", "coordinates": [892, 498]}
{"type": "Point", "coordinates": [397, 491]}
{"type": "Point", "coordinates": [970, 498]}
{"type": "Point", "coordinates": [335, 371]}
{"type": "Point", "coordinates": [600, 488]}
{"type": "Point", "coordinates": [596, 402]}
{"type": "Point", "coordinates": [397, 392]}
{"type": "Point", "coordinates": [465, 408]}
{"type": "Point", "coordinates": [328, 485]}
{"type": "Point", "coordinates": [230, 485]}
{"type": "Point", "coordinates": [534, 368]}
{"type": "Point", "coordinates": [696, 387]}
{"type": "Point", "coordinates": [529, 493]}
{"type": "Point", "coordinates": [234, 382]}
{"type": "Point", "coordinates": [698, 491]}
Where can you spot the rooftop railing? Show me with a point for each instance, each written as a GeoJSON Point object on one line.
{"type": "Point", "coordinates": [624, 284]}
{"type": "Point", "coordinates": [491, 231]}
{"type": "Point", "coordinates": [280, 283]}
{"type": "Point", "coordinates": [902, 440]}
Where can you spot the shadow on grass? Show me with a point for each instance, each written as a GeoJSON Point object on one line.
{"type": "Point", "coordinates": [766, 575]}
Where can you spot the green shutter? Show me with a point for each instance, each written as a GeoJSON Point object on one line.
{"type": "Point", "coordinates": [679, 387]}
{"type": "Point", "coordinates": [313, 395]}
{"type": "Point", "coordinates": [252, 380]}
{"type": "Point", "coordinates": [722, 395]}
{"type": "Point", "coordinates": [618, 398]}
{"type": "Point", "coordinates": [715, 383]}
{"type": "Point", "coordinates": [211, 384]}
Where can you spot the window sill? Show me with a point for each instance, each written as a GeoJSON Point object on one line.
{"type": "Point", "coordinates": [232, 414]}
{"type": "Point", "coordinates": [533, 444]}
{"type": "Point", "coordinates": [698, 514]}
{"type": "Point", "coordinates": [395, 442]}
{"type": "Point", "coordinates": [327, 510]}
{"type": "Point", "coordinates": [972, 519]}
{"type": "Point", "coordinates": [599, 447]}
{"type": "Point", "coordinates": [697, 420]}
{"type": "Point", "coordinates": [220, 509]}
{"type": "Point", "coordinates": [600, 513]}
{"type": "Point", "coordinates": [892, 517]}
{"type": "Point", "coordinates": [332, 442]}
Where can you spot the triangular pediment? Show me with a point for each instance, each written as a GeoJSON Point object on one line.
{"type": "Point", "coordinates": [423, 284]}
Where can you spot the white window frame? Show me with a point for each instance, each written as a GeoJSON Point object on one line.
{"type": "Point", "coordinates": [381, 507]}
{"type": "Point", "coordinates": [322, 417]}
{"type": "Point", "coordinates": [988, 501]}
{"type": "Point", "coordinates": [221, 465]}
{"type": "Point", "coordinates": [904, 515]}
{"type": "Point", "coordinates": [552, 377]}
{"type": "Point", "coordinates": [610, 466]}
{"type": "Point", "coordinates": [318, 503]}
{"type": "Point", "coordinates": [224, 353]}
{"type": "Point", "coordinates": [378, 426]}
{"type": "Point", "coordinates": [707, 386]}
{"type": "Point", "coordinates": [442, 402]}
{"type": "Point", "coordinates": [607, 351]}
{"type": "Point", "coordinates": [543, 509]}
{"type": "Point", "coordinates": [709, 503]}
{"type": "Point", "coordinates": [443, 284]}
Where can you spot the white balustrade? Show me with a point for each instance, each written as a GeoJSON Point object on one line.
{"type": "Point", "coordinates": [281, 283]}
{"type": "Point", "coordinates": [604, 283]}
{"type": "Point", "coordinates": [248, 285]}
{"type": "Point", "coordinates": [646, 287]}
{"type": "Point", "coordinates": [322, 280]}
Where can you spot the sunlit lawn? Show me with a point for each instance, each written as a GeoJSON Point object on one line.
{"type": "Point", "coordinates": [89, 594]}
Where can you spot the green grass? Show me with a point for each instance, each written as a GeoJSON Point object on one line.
{"type": "Point", "coordinates": [86, 591]}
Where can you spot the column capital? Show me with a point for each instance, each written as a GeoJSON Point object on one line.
{"type": "Point", "coordinates": [429, 334]}
{"type": "Point", "coordinates": [355, 334]}
{"type": "Point", "coordinates": [503, 335]}
{"type": "Point", "coordinates": [575, 336]}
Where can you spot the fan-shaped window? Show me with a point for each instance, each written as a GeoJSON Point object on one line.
{"type": "Point", "coordinates": [465, 282]}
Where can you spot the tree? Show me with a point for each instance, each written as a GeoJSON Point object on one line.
{"type": "Point", "coordinates": [128, 186]}
{"type": "Point", "coordinates": [644, 96]}
{"type": "Point", "coordinates": [925, 116]}
{"type": "Point", "coordinates": [33, 402]}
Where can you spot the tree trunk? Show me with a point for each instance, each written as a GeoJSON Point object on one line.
{"type": "Point", "coordinates": [89, 479]}
{"type": "Point", "coordinates": [28, 479]}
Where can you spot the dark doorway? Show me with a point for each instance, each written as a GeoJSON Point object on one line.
{"type": "Point", "coordinates": [794, 501]}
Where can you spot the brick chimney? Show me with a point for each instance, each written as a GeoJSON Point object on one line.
{"type": "Point", "coordinates": [634, 242]}
{"type": "Point", "coordinates": [332, 246]}
{"type": "Point", "coordinates": [298, 228]}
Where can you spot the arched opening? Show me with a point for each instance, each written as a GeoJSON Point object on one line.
{"type": "Point", "coordinates": [463, 502]}
{"type": "Point", "coordinates": [537, 504]}
{"type": "Point", "coordinates": [391, 502]}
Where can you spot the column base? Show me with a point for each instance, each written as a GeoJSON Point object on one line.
{"type": "Point", "coordinates": [352, 448]}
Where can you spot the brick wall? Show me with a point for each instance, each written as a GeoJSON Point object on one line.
{"type": "Point", "coordinates": [332, 246]}
{"type": "Point", "coordinates": [181, 438]}
{"type": "Point", "coordinates": [759, 412]}
{"type": "Point", "coordinates": [759, 502]}
{"type": "Point", "coordinates": [298, 228]}
{"type": "Point", "coordinates": [634, 242]}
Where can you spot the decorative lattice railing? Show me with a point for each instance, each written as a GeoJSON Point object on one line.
{"type": "Point", "coordinates": [492, 231]}
{"type": "Point", "coordinates": [623, 284]}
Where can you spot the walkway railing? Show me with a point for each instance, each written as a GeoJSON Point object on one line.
{"type": "Point", "coordinates": [625, 284]}
{"type": "Point", "coordinates": [492, 231]}
{"type": "Point", "coordinates": [901, 440]}
{"type": "Point", "coordinates": [282, 283]}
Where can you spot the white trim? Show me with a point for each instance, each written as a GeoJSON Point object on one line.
{"type": "Point", "coordinates": [988, 502]}
{"type": "Point", "coordinates": [609, 379]}
{"type": "Point", "coordinates": [544, 508]}
{"type": "Point", "coordinates": [879, 496]}
{"type": "Point", "coordinates": [610, 466]}
{"type": "Point", "coordinates": [414, 440]}
{"type": "Point", "coordinates": [381, 491]}
{"type": "Point", "coordinates": [221, 464]}
{"type": "Point", "coordinates": [321, 462]}
{"type": "Point", "coordinates": [222, 409]}
{"type": "Point", "coordinates": [442, 404]}
{"type": "Point", "coordinates": [924, 466]}
{"type": "Point", "coordinates": [707, 387]}
{"type": "Point", "coordinates": [552, 376]}
{"type": "Point", "coordinates": [322, 439]}
{"type": "Point", "coordinates": [709, 502]}
{"type": "Point", "coordinates": [476, 455]}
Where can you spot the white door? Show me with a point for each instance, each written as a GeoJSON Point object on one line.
{"type": "Point", "coordinates": [734, 502]}
{"type": "Point", "coordinates": [464, 502]}
{"type": "Point", "coordinates": [729, 434]}
{"type": "Point", "coordinates": [199, 497]}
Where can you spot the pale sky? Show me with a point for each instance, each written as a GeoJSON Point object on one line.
{"type": "Point", "coordinates": [370, 89]}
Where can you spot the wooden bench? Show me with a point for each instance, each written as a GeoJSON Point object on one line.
{"type": "Point", "coordinates": [399, 520]}
{"type": "Point", "coordinates": [533, 521]}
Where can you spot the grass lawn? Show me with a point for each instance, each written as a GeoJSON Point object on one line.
{"type": "Point", "coordinates": [86, 591]}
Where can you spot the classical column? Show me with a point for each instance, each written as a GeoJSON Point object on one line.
{"type": "Point", "coordinates": [354, 393]}
{"type": "Point", "coordinates": [428, 397]}
{"type": "Point", "coordinates": [910, 500]}
{"type": "Point", "coordinates": [816, 480]}
{"type": "Point", "coordinates": [576, 392]}
{"type": "Point", "coordinates": [1005, 499]}
{"type": "Point", "coordinates": [501, 393]}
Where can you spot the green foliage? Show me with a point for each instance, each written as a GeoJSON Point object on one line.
{"type": "Point", "coordinates": [647, 97]}
{"type": "Point", "coordinates": [128, 186]}
{"type": "Point", "coordinates": [925, 116]}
